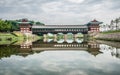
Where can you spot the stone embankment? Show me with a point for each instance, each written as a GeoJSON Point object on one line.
{"type": "Point", "coordinates": [108, 36]}
{"type": "Point", "coordinates": [110, 43]}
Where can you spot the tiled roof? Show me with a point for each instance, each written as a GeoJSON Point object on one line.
{"type": "Point", "coordinates": [59, 26]}
{"type": "Point", "coordinates": [95, 22]}
{"type": "Point", "coordinates": [24, 22]}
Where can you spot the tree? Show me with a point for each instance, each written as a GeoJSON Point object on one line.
{"type": "Point", "coordinates": [39, 23]}
{"type": "Point", "coordinates": [111, 25]}
{"type": "Point", "coordinates": [12, 25]}
{"type": "Point", "coordinates": [116, 21]}
{"type": "Point", "coordinates": [5, 26]}
{"type": "Point", "coordinates": [15, 25]}
{"type": "Point", "coordinates": [32, 22]}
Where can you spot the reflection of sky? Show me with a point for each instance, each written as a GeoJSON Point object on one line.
{"type": "Point", "coordinates": [49, 40]}
{"type": "Point", "coordinates": [60, 41]}
{"type": "Point", "coordinates": [79, 40]}
{"type": "Point", "coordinates": [61, 63]}
{"type": "Point", "coordinates": [68, 40]}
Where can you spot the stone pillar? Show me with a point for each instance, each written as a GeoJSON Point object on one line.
{"type": "Point", "coordinates": [55, 37]}
{"type": "Point", "coordinates": [85, 37]}
{"type": "Point", "coordinates": [74, 37]}
{"type": "Point", "coordinates": [44, 37]}
{"type": "Point", "coordinates": [65, 37]}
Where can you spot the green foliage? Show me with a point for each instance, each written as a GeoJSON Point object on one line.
{"type": "Point", "coordinates": [7, 51]}
{"type": "Point", "coordinates": [5, 26]}
{"type": "Point", "coordinates": [12, 25]}
{"type": "Point", "coordinates": [15, 25]}
{"type": "Point", "coordinates": [8, 25]}
{"type": "Point", "coordinates": [39, 23]}
{"type": "Point", "coordinates": [32, 22]}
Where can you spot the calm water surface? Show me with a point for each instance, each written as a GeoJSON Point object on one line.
{"type": "Point", "coordinates": [60, 58]}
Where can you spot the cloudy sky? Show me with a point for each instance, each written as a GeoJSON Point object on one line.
{"type": "Point", "coordinates": [60, 11]}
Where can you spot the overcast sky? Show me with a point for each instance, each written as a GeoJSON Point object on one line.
{"type": "Point", "coordinates": [61, 11]}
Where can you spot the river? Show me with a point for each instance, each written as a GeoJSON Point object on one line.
{"type": "Point", "coordinates": [70, 57]}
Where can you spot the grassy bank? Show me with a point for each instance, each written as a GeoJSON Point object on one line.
{"type": "Point", "coordinates": [107, 39]}
{"type": "Point", "coordinates": [109, 36]}
{"type": "Point", "coordinates": [17, 38]}
{"type": "Point", "coordinates": [8, 38]}
{"type": "Point", "coordinates": [107, 32]}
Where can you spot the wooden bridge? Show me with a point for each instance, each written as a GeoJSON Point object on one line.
{"type": "Point", "coordinates": [27, 27]}
{"type": "Point", "coordinates": [60, 29]}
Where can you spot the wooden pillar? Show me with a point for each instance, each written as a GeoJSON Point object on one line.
{"type": "Point", "coordinates": [85, 37]}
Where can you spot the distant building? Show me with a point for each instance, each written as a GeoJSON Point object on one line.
{"type": "Point", "coordinates": [25, 26]}
{"type": "Point", "coordinates": [93, 26]}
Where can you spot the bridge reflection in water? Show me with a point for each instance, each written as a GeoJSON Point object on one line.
{"type": "Point", "coordinates": [29, 47]}
{"type": "Point", "coordinates": [92, 47]}
{"type": "Point", "coordinates": [68, 37]}
{"type": "Point", "coordinates": [66, 47]}
{"type": "Point", "coordinates": [78, 45]}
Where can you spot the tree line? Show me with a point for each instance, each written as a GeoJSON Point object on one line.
{"type": "Point", "coordinates": [5, 26]}
{"type": "Point", "coordinates": [114, 25]}
{"type": "Point", "coordinates": [12, 25]}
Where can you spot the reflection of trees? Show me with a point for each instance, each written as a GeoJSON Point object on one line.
{"type": "Point", "coordinates": [115, 52]}
{"type": "Point", "coordinates": [70, 36]}
{"type": "Point", "coordinates": [80, 40]}
{"type": "Point", "coordinates": [112, 47]}
{"type": "Point", "coordinates": [7, 51]}
{"type": "Point", "coordinates": [60, 36]}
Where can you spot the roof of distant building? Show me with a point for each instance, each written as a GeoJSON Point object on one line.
{"type": "Point", "coordinates": [24, 22]}
{"type": "Point", "coordinates": [94, 22]}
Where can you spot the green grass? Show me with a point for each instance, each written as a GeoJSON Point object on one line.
{"type": "Point", "coordinates": [107, 32]}
{"type": "Point", "coordinates": [5, 36]}
{"type": "Point", "coordinates": [16, 37]}
{"type": "Point", "coordinates": [19, 35]}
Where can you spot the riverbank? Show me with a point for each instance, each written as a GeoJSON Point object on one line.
{"type": "Point", "coordinates": [110, 36]}
{"type": "Point", "coordinates": [8, 38]}
{"type": "Point", "coordinates": [110, 43]}
{"type": "Point", "coordinates": [15, 37]}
